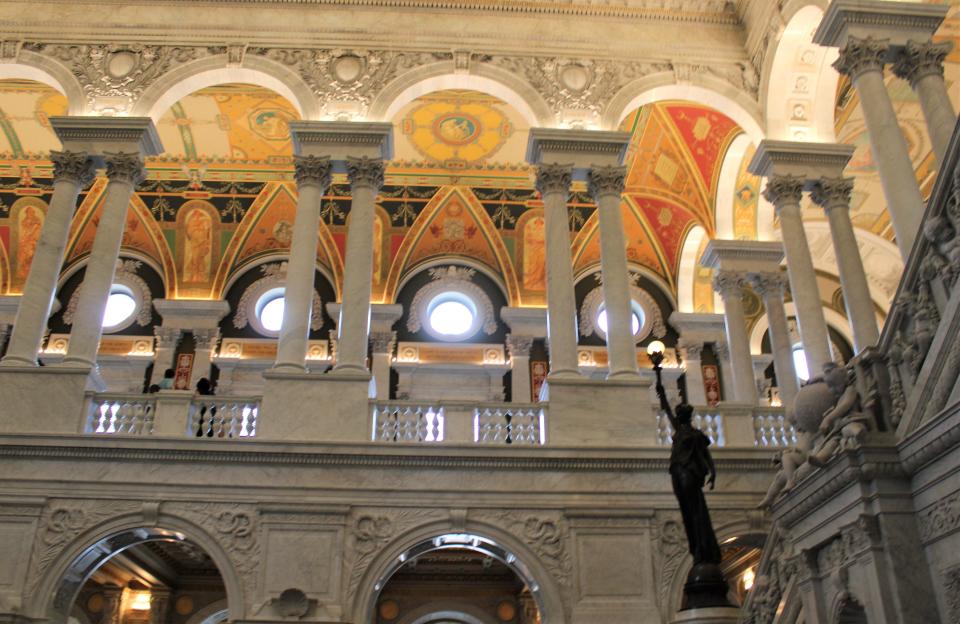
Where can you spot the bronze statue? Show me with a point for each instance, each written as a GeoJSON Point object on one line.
{"type": "Point", "coordinates": [692, 467]}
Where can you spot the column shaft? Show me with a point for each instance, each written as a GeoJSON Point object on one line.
{"type": "Point", "coordinates": [519, 348]}
{"type": "Point", "coordinates": [730, 286]}
{"type": "Point", "coordinates": [785, 193]}
{"type": "Point", "coordinates": [606, 184]}
{"type": "Point", "coordinates": [72, 171]}
{"type": "Point", "coordinates": [381, 348]}
{"type": "Point", "coordinates": [124, 170]}
{"type": "Point", "coordinates": [834, 195]}
{"type": "Point", "coordinates": [366, 177]}
{"type": "Point", "coordinates": [770, 287]}
{"type": "Point", "coordinates": [863, 60]}
{"type": "Point", "coordinates": [553, 182]}
{"type": "Point", "coordinates": [313, 176]}
{"type": "Point", "coordinates": [696, 395]}
{"type": "Point", "coordinates": [205, 343]}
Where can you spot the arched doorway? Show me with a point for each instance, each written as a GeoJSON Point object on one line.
{"type": "Point", "coordinates": [140, 575]}
{"type": "Point", "coordinates": [457, 579]}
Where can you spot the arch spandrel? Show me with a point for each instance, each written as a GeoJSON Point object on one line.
{"type": "Point", "coordinates": [453, 224]}
{"type": "Point", "coordinates": [30, 65]}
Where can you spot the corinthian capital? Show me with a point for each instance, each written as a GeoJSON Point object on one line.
{"type": "Point", "coordinates": [76, 167]}
{"type": "Point", "coordinates": [692, 349]}
{"type": "Point", "coordinates": [554, 179]}
{"type": "Point", "coordinates": [919, 60]}
{"type": "Point", "coordinates": [167, 337]}
{"type": "Point", "coordinates": [312, 170]}
{"type": "Point", "coordinates": [125, 167]}
{"type": "Point", "coordinates": [768, 283]}
{"type": "Point", "coordinates": [519, 346]}
{"type": "Point", "coordinates": [365, 172]}
{"type": "Point", "coordinates": [383, 342]}
{"type": "Point", "coordinates": [206, 338]}
{"type": "Point", "coordinates": [832, 192]}
{"type": "Point", "coordinates": [784, 189]}
{"type": "Point", "coordinates": [729, 283]}
{"type": "Point", "coordinates": [862, 55]}
{"type": "Point", "coordinates": [607, 181]}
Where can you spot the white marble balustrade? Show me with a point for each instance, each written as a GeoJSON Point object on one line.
{"type": "Point", "coordinates": [459, 422]}
{"type": "Point", "coordinates": [171, 414]}
{"type": "Point", "coordinates": [119, 414]}
{"type": "Point", "coordinates": [215, 417]}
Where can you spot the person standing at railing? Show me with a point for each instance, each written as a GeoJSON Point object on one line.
{"type": "Point", "coordinates": [167, 382]}
{"type": "Point", "coordinates": [205, 389]}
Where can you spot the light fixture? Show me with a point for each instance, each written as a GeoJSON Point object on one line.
{"type": "Point", "coordinates": [656, 346]}
{"type": "Point", "coordinates": [748, 577]}
{"type": "Point", "coordinates": [140, 601]}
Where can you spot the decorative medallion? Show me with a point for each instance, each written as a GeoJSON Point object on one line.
{"type": "Point", "coordinates": [457, 127]}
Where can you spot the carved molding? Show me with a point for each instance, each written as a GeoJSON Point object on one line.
{"type": "Point", "coordinates": [939, 519]}
{"type": "Point", "coordinates": [546, 533]}
{"type": "Point", "coordinates": [235, 527]}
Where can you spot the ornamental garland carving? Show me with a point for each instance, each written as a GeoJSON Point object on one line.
{"type": "Point", "coordinates": [236, 529]}
{"type": "Point", "coordinates": [546, 534]}
{"type": "Point", "coordinates": [940, 519]}
{"type": "Point", "coordinates": [371, 532]}
{"type": "Point", "coordinates": [457, 279]}
{"type": "Point", "coordinates": [126, 275]}
{"type": "Point", "coordinates": [62, 522]}
{"type": "Point", "coordinates": [274, 276]}
{"type": "Point", "coordinates": [120, 71]}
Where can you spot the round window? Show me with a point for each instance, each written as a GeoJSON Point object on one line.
{"type": "Point", "coordinates": [452, 316]}
{"type": "Point", "coordinates": [800, 363]}
{"type": "Point", "coordinates": [120, 309]}
{"type": "Point", "coordinates": [636, 319]}
{"type": "Point", "coordinates": [269, 310]}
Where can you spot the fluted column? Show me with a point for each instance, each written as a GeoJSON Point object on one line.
{"type": "Point", "coordinates": [606, 186]}
{"type": "Point", "coordinates": [313, 177]}
{"type": "Point", "coordinates": [770, 287]}
{"type": "Point", "coordinates": [71, 172]}
{"type": "Point", "coordinates": [519, 349]}
{"type": "Point", "coordinates": [124, 171]}
{"type": "Point", "coordinates": [553, 182]}
{"type": "Point", "coordinates": [205, 343]}
{"type": "Point", "coordinates": [366, 178]}
{"type": "Point", "coordinates": [785, 192]}
{"type": "Point", "coordinates": [863, 61]}
{"type": "Point", "coordinates": [692, 352]}
{"type": "Point", "coordinates": [833, 194]}
{"type": "Point", "coordinates": [382, 344]}
{"type": "Point", "coordinates": [729, 285]}
{"type": "Point", "coordinates": [921, 64]}
{"type": "Point", "coordinates": [167, 339]}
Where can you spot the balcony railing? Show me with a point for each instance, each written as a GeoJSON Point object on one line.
{"type": "Point", "coordinates": [175, 414]}
{"type": "Point", "coordinates": [453, 422]}
{"type": "Point", "coordinates": [223, 417]}
{"type": "Point", "coordinates": [120, 414]}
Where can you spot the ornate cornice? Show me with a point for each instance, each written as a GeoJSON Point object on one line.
{"type": "Point", "coordinates": [125, 167]}
{"type": "Point", "coordinates": [919, 60]}
{"type": "Point", "coordinates": [365, 172]}
{"type": "Point", "coordinates": [784, 189]}
{"type": "Point", "coordinates": [554, 179]}
{"type": "Point", "coordinates": [77, 167]}
{"type": "Point", "coordinates": [862, 55]}
{"type": "Point", "coordinates": [832, 193]}
{"type": "Point", "coordinates": [607, 181]}
{"type": "Point", "coordinates": [315, 170]}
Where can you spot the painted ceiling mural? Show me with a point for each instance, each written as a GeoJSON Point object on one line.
{"type": "Point", "coordinates": [222, 198]}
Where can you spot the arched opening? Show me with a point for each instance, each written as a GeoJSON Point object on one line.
{"type": "Point", "coordinates": [141, 575]}
{"type": "Point", "coordinates": [457, 578]}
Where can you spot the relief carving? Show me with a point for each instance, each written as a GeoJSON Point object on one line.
{"type": "Point", "coordinates": [546, 535]}
{"type": "Point", "coordinates": [670, 553]}
{"type": "Point", "coordinates": [235, 529]}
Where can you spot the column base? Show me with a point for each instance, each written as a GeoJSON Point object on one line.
{"type": "Point", "coordinates": [287, 367]}
{"type": "Point", "coordinates": [14, 360]}
{"type": "Point", "coordinates": [600, 413]}
{"type": "Point", "coordinates": [624, 374]}
{"type": "Point", "coordinates": [305, 407]}
{"type": "Point", "coordinates": [45, 400]}
{"type": "Point", "coordinates": [349, 369]}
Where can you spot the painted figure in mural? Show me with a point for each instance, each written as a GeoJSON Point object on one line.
{"type": "Point", "coordinates": [198, 247]}
{"type": "Point", "coordinates": [30, 224]}
{"type": "Point", "coordinates": [534, 255]}
{"type": "Point", "coordinates": [691, 467]}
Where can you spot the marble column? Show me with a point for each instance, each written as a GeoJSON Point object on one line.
{"type": "Point", "coordinates": [382, 344]}
{"type": "Point", "coordinates": [863, 61]}
{"type": "Point", "coordinates": [770, 286]}
{"type": "Point", "coordinates": [833, 194]}
{"type": "Point", "coordinates": [167, 339]}
{"type": "Point", "coordinates": [71, 172]}
{"type": "Point", "coordinates": [692, 353]}
{"type": "Point", "coordinates": [366, 178]}
{"type": "Point", "coordinates": [921, 64]}
{"type": "Point", "coordinates": [606, 186]}
{"type": "Point", "coordinates": [519, 349]}
{"type": "Point", "coordinates": [722, 350]}
{"type": "Point", "coordinates": [785, 192]}
{"type": "Point", "coordinates": [729, 285]}
{"type": "Point", "coordinates": [553, 182]}
{"type": "Point", "coordinates": [313, 177]}
{"type": "Point", "coordinates": [124, 172]}
{"type": "Point", "coordinates": [205, 343]}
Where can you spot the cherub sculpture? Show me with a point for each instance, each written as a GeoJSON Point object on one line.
{"type": "Point", "coordinates": [844, 425]}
